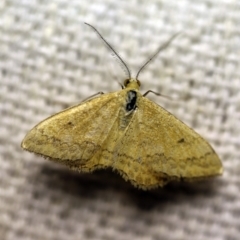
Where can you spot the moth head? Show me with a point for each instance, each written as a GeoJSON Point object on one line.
{"type": "Point", "coordinates": [132, 83]}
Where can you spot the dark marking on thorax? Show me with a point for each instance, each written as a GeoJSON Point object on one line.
{"type": "Point", "coordinates": [131, 100]}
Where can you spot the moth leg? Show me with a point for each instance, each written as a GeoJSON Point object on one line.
{"type": "Point", "coordinates": [92, 96]}
{"type": "Point", "coordinates": [156, 93]}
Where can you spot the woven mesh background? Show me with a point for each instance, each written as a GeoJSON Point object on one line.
{"type": "Point", "coordinates": [49, 59]}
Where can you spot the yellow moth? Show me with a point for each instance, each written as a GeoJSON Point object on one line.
{"type": "Point", "coordinates": [127, 132]}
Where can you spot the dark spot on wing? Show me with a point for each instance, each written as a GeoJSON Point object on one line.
{"type": "Point", "coordinates": [181, 140]}
{"type": "Point", "coordinates": [70, 124]}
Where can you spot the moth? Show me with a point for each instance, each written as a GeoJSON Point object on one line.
{"type": "Point", "coordinates": [127, 132]}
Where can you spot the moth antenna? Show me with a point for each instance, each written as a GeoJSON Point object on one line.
{"type": "Point", "coordinates": [165, 45]}
{"type": "Point", "coordinates": [112, 49]}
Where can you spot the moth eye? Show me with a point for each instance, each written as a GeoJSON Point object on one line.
{"type": "Point", "coordinates": [126, 82]}
{"type": "Point", "coordinates": [139, 83]}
